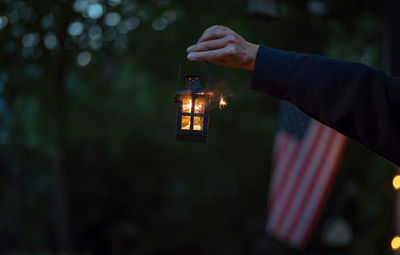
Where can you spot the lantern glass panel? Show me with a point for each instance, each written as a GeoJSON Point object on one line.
{"type": "Point", "coordinates": [198, 123]}
{"type": "Point", "coordinates": [185, 123]}
{"type": "Point", "coordinates": [186, 106]}
{"type": "Point", "coordinates": [199, 105]}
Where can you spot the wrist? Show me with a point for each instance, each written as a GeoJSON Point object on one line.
{"type": "Point", "coordinates": [252, 51]}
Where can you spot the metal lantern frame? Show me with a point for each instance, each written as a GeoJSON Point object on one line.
{"type": "Point", "coordinates": [194, 92]}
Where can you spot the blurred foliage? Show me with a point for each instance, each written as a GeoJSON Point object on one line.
{"type": "Point", "coordinates": [86, 101]}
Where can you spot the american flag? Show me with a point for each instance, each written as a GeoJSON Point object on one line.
{"type": "Point", "coordinates": [306, 158]}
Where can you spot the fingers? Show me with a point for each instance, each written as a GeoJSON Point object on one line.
{"type": "Point", "coordinates": [211, 55]}
{"type": "Point", "coordinates": [214, 32]}
{"type": "Point", "coordinates": [222, 46]}
{"type": "Point", "coordinates": [208, 45]}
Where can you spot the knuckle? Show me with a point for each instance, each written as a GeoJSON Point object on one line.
{"type": "Point", "coordinates": [195, 47]}
{"type": "Point", "coordinates": [231, 50]}
{"type": "Point", "coordinates": [213, 28]}
{"type": "Point", "coordinates": [230, 38]}
{"type": "Point", "coordinates": [207, 46]}
{"type": "Point", "coordinates": [209, 29]}
{"type": "Point", "coordinates": [218, 29]}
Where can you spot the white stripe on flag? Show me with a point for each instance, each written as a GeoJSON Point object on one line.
{"type": "Point", "coordinates": [290, 156]}
{"type": "Point", "coordinates": [317, 195]}
{"type": "Point", "coordinates": [307, 149]}
{"type": "Point", "coordinates": [308, 171]}
{"type": "Point", "coordinates": [310, 188]}
{"type": "Point", "coordinates": [280, 143]}
{"type": "Point", "coordinates": [282, 163]}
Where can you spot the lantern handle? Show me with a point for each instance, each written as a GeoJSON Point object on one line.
{"type": "Point", "coordinates": [180, 69]}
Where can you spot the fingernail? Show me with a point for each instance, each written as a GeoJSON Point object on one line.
{"type": "Point", "coordinates": [190, 56]}
{"type": "Point", "coordinates": [189, 49]}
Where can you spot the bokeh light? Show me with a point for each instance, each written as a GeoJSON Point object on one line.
{"type": "Point", "coordinates": [3, 22]}
{"type": "Point", "coordinates": [396, 182]}
{"type": "Point", "coordinates": [127, 25]}
{"type": "Point", "coordinates": [170, 16]}
{"type": "Point", "coordinates": [95, 32]}
{"type": "Point", "coordinates": [80, 5]}
{"type": "Point", "coordinates": [84, 58]}
{"type": "Point", "coordinates": [159, 24]}
{"type": "Point", "coordinates": [30, 40]}
{"type": "Point", "coordinates": [95, 11]}
{"type": "Point", "coordinates": [50, 41]}
{"type": "Point", "coordinates": [114, 2]}
{"type": "Point", "coordinates": [47, 22]}
{"type": "Point", "coordinates": [112, 19]}
{"type": "Point", "coordinates": [395, 243]}
{"type": "Point", "coordinates": [96, 44]}
{"type": "Point", "coordinates": [317, 8]}
{"type": "Point", "coordinates": [13, 17]}
{"type": "Point", "coordinates": [75, 28]}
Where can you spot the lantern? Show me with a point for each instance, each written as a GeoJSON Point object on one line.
{"type": "Point", "coordinates": [193, 107]}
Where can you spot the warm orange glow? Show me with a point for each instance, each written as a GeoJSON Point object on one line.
{"type": "Point", "coordinates": [222, 102]}
{"type": "Point", "coordinates": [395, 243]}
{"type": "Point", "coordinates": [396, 182]}
{"type": "Point", "coordinates": [198, 123]}
{"type": "Point", "coordinates": [199, 105]}
{"type": "Point", "coordinates": [199, 108]}
{"type": "Point", "coordinates": [187, 105]}
{"type": "Point", "coordinates": [185, 123]}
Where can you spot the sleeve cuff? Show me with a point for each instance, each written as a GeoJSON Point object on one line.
{"type": "Point", "coordinates": [271, 70]}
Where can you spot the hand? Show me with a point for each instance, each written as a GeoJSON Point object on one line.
{"type": "Point", "coordinates": [220, 45]}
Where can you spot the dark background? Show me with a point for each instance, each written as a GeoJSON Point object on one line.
{"type": "Point", "coordinates": [88, 157]}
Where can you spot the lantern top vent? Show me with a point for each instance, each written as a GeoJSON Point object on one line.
{"type": "Point", "coordinates": [193, 84]}
{"type": "Point", "coordinates": [193, 87]}
{"type": "Point", "coordinates": [192, 81]}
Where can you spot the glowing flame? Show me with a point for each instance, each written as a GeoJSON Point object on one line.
{"type": "Point", "coordinates": [199, 105]}
{"type": "Point", "coordinates": [187, 105]}
{"type": "Point", "coordinates": [222, 102]}
{"type": "Point", "coordinates": [199, 108]}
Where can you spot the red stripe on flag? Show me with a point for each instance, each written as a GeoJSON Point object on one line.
{"type": "Point", "coordinates": [302, 198]}
{"type": "Point", "coordinates": [342, 140]}
{"type": "Point", "coordinates": [282, 143]}
{"type": "Point", "coordinates": [291, 187]}
{"type": "Point", "coordinates": [301, 180]}
{"type": "Point", "coordinates": [284, 171]}
{"type": "Point", "coordinates": [314, 158]}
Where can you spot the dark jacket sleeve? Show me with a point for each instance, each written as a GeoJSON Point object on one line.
{"type": "Point", "coordinates": [359, 101]}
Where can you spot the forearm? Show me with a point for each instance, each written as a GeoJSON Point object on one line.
{"type": "Point", "coordinates": [358, 101]}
